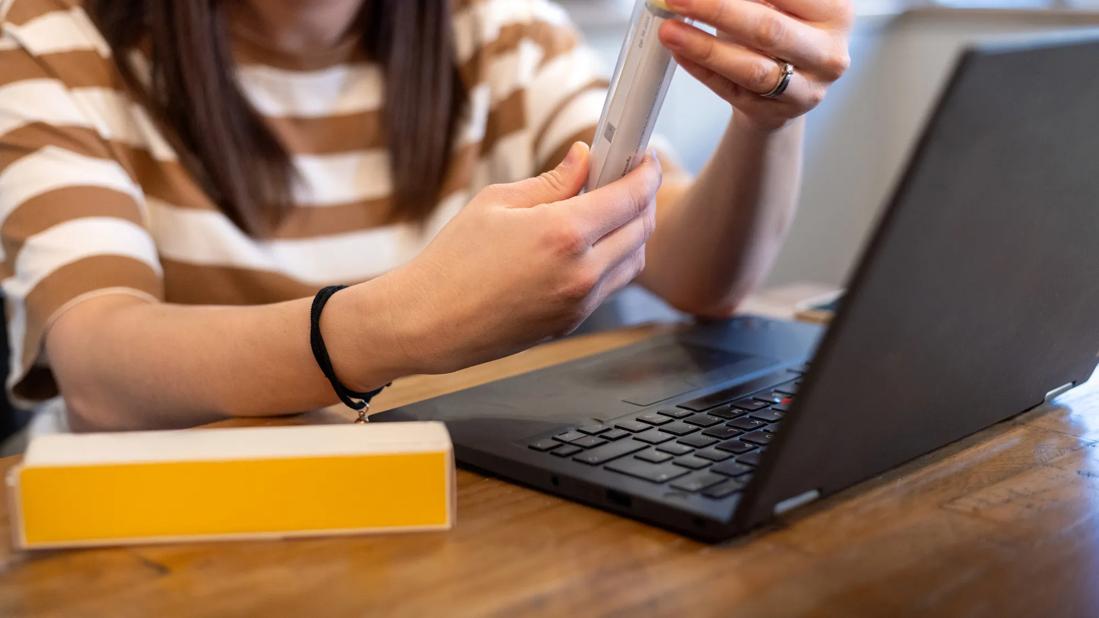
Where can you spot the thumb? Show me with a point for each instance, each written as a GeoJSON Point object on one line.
{"type": "Point", "coordinates": [560, 183]}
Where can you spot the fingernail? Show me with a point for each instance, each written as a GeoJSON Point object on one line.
{"type": "Point", "coordinates": [673, 35]}
{"type": "Point", "coordinates": [677, 4]}
{"type": "Point", "coordinates": [656, 159]}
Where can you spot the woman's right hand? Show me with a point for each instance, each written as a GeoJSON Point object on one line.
{"type": "Point", "coordinates": [521, 263]}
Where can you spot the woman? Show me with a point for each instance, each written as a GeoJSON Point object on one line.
{"type": "Point", "coordinates": [178, 179]}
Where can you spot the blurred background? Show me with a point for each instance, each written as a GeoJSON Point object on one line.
{"type": "Point", "coordinates": [902, 51]}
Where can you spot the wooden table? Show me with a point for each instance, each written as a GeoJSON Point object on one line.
{"type": "Point", "coordinates": [1005, 523]}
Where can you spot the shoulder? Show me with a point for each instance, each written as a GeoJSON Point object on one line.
{"type": "Point", "coordinates": [42, 27]}
{"type": "Point", "coordinates": [505, 42]}
{"type": "Point", "coordinates": [511, 10]}
{"type": "Point", "coordinates": [486, 23]}
{"type": "Point", "coordinates": [53, 39]}
{"type": "Point", "coordinates": [20, 13]}
{"type": "Point", "coordinates": [59, 84]}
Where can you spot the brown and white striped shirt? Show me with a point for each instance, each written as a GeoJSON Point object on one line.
{"type": "Point", "coordinates": [94, 201]}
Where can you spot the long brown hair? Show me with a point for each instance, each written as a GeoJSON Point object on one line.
{"type": "Point", "coordinates": [225, 144]}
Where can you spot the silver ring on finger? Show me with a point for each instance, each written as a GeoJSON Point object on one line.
{"type": "Point", "coordinates": [783, 82]}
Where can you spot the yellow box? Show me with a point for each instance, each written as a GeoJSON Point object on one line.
{"type": "Point", "coordinates": [241, 483]}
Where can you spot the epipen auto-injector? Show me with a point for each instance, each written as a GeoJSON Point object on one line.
{"type": "Point", "coordinates": [641, 78]}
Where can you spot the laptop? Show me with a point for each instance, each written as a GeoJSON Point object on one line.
{"type": "Point", "coordinates": [976, 299]}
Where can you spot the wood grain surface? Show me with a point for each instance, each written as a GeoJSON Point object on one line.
{"type": "Point", "coordinates": [1004, 523]}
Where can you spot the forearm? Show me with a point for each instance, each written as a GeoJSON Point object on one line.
{"type": "Point", "coordinates": [128, 364]}
{"type": "Point", "coordinates": [542, 258]}
{"type": "Point", "coordinates": [717, 239]}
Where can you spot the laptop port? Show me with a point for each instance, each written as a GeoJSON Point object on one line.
{"type": "Point", "coordinates": [618, 498]}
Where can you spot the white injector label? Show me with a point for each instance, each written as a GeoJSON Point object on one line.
{"type": "Point", "coordinates": [640, 81]}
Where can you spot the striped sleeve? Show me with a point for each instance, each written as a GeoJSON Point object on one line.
{"type": "Point", "coordinates": [530, 73]}
{"type": "Point", "coordinates": [73, 222]}
{"type": "Point", "coordinates": [566, 91]}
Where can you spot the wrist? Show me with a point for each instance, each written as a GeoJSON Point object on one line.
{"type": "Point", "coordinates": [746, 127]}
{"type": "Point", "coordinates": [361, 337]}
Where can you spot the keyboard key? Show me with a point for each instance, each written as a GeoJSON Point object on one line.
{"type": "Point", "coordinates": [769, 415]}
{"type": "Point", "coordinates": [568, 436]}
{"type": "Point", "coordinates": [589, 442]}
{"type": "Point", "coordinates": [631, 426]}
{"type": "Point", "coordinates": [725, 489]}
{"type": "Point", "coordinates": [736, 446]}
{"type": "Point", "coordinates": [614, 434]}
{"type": "Point", "coordinates": [781, 407]}
{"type": "Point", "coordinates": [675, 448]}
{"type": "Point", "coordinates": [692, 462]}
{"type": "Point", "coordinates": [727, 412]}
{"type": "Point", "coordinates": [751, 459]}
{"type": "Point", "coordinates": [735, 392]}
{"type": "Point", "coordinates": [713, 454]}
{"type": "Point", "coordinates": [657, 473]}
{"type": "Point", "coordinates": [654, 436]}
{"type": "Point", "coordinates": [609, 451]}
{"type": "Point", "coordinates": [772, 428]}
{"type": "Point", "coordinates": [758, 437]}
{"type": "Point", "coordinates": [746, 424]}
{"type": "Point", "coordinates": [731, 468]}
{"type": "Point", "coordinates": [544, 445]}
{"type": "Point", "coordinates": [675, 412]}
{"type": "Point", "coordinates": [653, 418]}
{"type": "Point", "coordinates": [702, 420]}
{"type": "Point", "coordinates": [699, 441]}
{"type": "Point", "coordinates": [592, 430]}
{"type": "Point", "coordinates": [678, 428]}
{"type": "Point", "coordinates": [698, 481]}
{"type": "Point", "coordinates": [566, 450]}
{"type": "Point", "coordinates": [721, 433]}
{"type": "Point", "coordinates": [653, 456]}
{"type": "Point", "coordinates": [749, 405]}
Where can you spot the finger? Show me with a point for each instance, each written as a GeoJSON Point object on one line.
{"type": "Point", "coordinates": [623, 274]}
{"type": "Point", "coordinates": [600, 212]}
{"type": "Point", "coordinates": [724, 88]}
{"type": "Point", "coordinates": [770, 112]}
{"type": "Point", "coordinates": [800, 93]}
{"type": "Point", "coordinates": [762, 28]}
{"type": "Point", "coordinates": [831, 11]}
{"type": "Point", "coordinates": [748, 69]}
{"type": "Point", "coordinates": [623, 242]}
{"type": "Point", "coordinates": [560, 183]}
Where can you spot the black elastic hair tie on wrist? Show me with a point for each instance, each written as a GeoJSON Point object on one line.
{"type": "Point", "coordinates": [352, 399]}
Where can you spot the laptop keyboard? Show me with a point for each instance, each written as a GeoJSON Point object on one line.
{"type": "Point", "coordinates": [708, 445]}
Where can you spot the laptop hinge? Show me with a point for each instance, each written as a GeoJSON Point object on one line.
{"type": "Point", "coordinates": [1060, 390]}
{"type": "Point", "coordinates": [799, 500]}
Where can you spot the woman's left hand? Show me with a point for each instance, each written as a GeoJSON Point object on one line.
{"type": "Point", "coordinates": [755, 39]}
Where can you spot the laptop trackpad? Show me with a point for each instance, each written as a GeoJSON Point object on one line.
{"type": "Point", "coordinates": [667, 370]}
